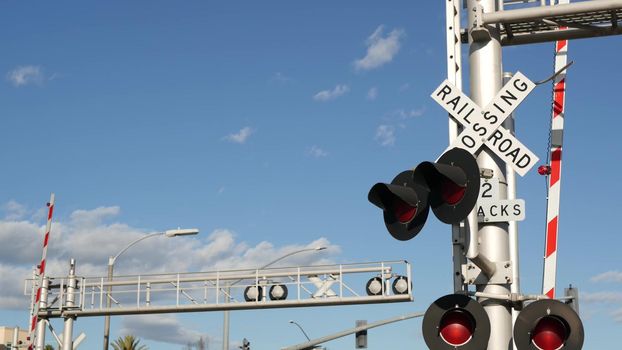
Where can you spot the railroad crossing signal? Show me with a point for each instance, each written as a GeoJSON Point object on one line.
{"type": "Point", "coordinates": [548, 325]}
{"type": "Point", "coordinates": [456, 321]}
{"type": "Point", "coordinates": [483, 126]}
{"type": "Point", "coordinates": [450, 186]}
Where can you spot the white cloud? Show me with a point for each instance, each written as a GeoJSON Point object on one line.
{"type": "Point", "coordinates": [380, 50]}
{"type": "Point", "coordinates": [601, 297]}
{"type": "Point", "coordinates": [317, 152]}
{"type": "Point", "coordinates": [14, 210]}
{"type": "Point", "coordinates": [94, 216]}
{"type": "Point", "coordinates": [241, 136]}
{"type": "Point", "coordinates": [609, 300]}
{"type": "Point", "coordinates": [372, 94]}
{"type": "Point", "coordinates": [404, 114]}
{"type": "Point", "coordinates": [327, 95]}
{"type": "Point", "coordinates": [280, 78]}
{"type": "Point", "coordinates": [20, 242]}
{"type": "Point", "coordinates": [12, 286]}
{"type": "Point", "coordinates": [25, 75]}
{"type": "Point", "coordinates": [163, 328]}
{"type": "Point", "coordinates": [385, 135]}
{"type": "Point", "coordinates": [609, 276]}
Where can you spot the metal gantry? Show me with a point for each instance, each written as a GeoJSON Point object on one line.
{"type": "Point", "coordinates": [585, 19]}
{"type": "Point", "coordinates": [73, 296]}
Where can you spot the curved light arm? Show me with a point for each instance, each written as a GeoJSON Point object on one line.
{"type": "Point", "coordinates": [299, 326]}
{"type": "Point", "coordinates": [168, 233]}
{"type": "Point", "coordinates": [112, 260]}
{"type": "Point", "coordinates": [290, 254]}
{"type": "Point", "coordinates": [281, 258]}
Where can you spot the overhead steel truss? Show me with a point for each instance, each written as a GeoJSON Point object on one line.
{"type": "Point", "coordinates": [321, 285]}
{"type": "Point", "coordinates": [538, 24]}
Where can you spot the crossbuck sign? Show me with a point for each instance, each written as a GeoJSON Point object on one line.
{"type": "Point", "coordinates": [483, 126]}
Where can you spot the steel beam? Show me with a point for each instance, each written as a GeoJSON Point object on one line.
{"type": "Point", "coordinates": [567, 34]}
{"type": "Point", "coordinates": [538, 13]}
{"type": "Point", "coordinates": [231, 306]}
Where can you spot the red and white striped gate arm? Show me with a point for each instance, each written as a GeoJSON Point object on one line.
{"type": "Point", "coordinates": [555, 165]}
{"type": "Point", "coordinates": [46, 240]}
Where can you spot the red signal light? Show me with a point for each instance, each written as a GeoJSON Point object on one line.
{"type": "Point", "coordinates": [548, 324]}
{"type": "Point", "coordinates": [457, 327]}
{"type": "Point", "coordinates": [452, 193]}
{"type": "Point", "coordinates": [550, 333]}
{"type": "Point", "coordinates": [403, 211]}
{"type": "Point", "coordinates": [456, 322]}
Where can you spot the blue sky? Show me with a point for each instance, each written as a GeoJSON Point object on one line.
{"type": "Point", "coordinates": [264, 124]}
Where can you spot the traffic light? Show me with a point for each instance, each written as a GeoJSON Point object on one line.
{"type": "Point", "coordinates": [361, 336]}
{"type": "Point", "coordinates": [548, 325]}
{"type": "Point", "coordinates": [456, 321]}
{"type": "Point", "coordinates": [449, 186]}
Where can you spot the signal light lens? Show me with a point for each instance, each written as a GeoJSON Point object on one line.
{"type": "Point", "coordinates": [549, 334]}
{"type": "Point", "coordinates": [457, 327]}
{"type": "Point", "coordinates": [451, 192]}
{"type": "Point", "coordinates": [403, 211]}
{"type": "Point", "coordinates": [374, 286]}
{"type": "Point", "coordinates": [400, 285]}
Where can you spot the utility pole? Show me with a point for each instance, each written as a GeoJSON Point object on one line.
{"type": "Point", "coordinates": [485, 73]}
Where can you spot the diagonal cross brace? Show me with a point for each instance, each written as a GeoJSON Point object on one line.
{"type": "Point", "coordinates": [323, 286]}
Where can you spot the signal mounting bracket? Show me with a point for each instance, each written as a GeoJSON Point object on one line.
{"type": "Point", "coordinates": [473, 275]}
{"type": "Point", "coordinates": [479, 32]}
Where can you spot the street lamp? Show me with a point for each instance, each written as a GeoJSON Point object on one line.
{"type": "Point", "coordinates": [225, 326]}
{"type": "Point", "coordinates": [111, 260]}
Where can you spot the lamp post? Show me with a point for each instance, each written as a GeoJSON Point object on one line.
{"type": "Point", "coordinates": [225, 326]}
{"type": "Point", "coordinates": [112, 259]}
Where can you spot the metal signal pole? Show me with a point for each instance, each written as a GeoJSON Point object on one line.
{"type": "Point", "coordinates": [485, 82]}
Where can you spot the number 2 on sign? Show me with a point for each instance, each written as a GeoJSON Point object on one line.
{"type": "Point", "coordinates": [489, 189]}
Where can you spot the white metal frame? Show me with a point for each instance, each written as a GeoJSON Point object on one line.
{"type": "Point", "coordinates": [341, 284]}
